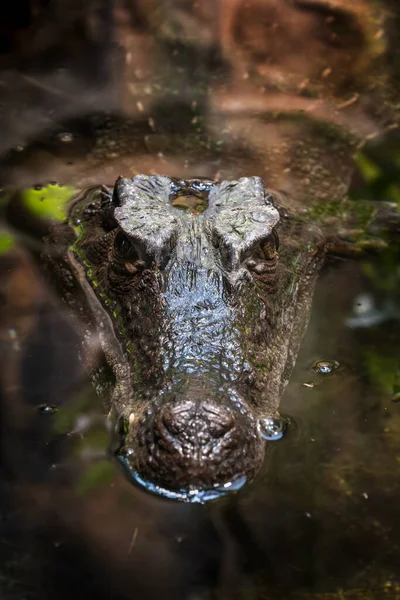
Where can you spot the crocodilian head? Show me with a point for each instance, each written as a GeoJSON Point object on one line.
{"type": "Point", "coordinates": [200, 322]}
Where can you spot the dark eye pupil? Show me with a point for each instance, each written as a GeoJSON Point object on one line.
{"type": "Point", "coordinates": [123, 247]}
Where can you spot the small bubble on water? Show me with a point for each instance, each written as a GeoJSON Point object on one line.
{"type": "Point", "coordinates": [325, 367]}
{"type": "Point", "coordinates": [47, 409]}
{"type": "Point", "coordinates": [272, 428]}
{"type": "Point", "coordinates": [12, 333]}
{"type": "Point", "coordinates": [19, 148]}
{"type": "Point", "coordinates": [65, 137]}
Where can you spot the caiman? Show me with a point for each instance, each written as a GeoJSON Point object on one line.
{"type": "Point", "coordinates": [200, 293]}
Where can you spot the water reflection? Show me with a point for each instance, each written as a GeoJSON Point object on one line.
{"type": "Point", "coordinates": [284, 90]}
{"type": "Point", "coordinates": [222, 89]}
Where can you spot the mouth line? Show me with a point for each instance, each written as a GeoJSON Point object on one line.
{"type": "Point", "coordinates": [194, 494]}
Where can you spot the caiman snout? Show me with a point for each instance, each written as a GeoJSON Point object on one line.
{"type": "Point", "coordinates": [186, 444]}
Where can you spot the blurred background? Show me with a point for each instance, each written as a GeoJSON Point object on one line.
{"type": "Point", "coordinates": [304, 93]}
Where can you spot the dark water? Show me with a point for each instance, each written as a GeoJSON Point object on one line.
{"type": "Point", "coordinates": [218, 90]}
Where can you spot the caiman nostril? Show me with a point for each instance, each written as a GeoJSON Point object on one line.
{"type": "Point", "coordinates": [174, 418]}
{"type": "Point", "coordinates": [220, 417]}
{"type": "Point", "coordinates": [199, 421]}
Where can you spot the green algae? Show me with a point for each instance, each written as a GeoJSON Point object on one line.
{"type": "Point", "coordinates": [7, 242]}
{"type": "Point", "coordinates": [48, 202]}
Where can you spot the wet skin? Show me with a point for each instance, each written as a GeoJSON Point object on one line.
{"type": "Point", "coordinates": [200, 314]}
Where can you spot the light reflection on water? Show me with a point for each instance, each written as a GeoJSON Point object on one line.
{"type": "Point", "coordinates": [194, 496]}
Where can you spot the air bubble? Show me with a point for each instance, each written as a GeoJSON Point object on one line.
{"type": "Point", "coordinates": [272, 428]}
{"type": "Point", "coordinates": [325, 367]}
{"type": "Point", "coordinates": [47, 409]}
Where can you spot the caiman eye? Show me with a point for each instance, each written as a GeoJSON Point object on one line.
{"type": "Point", "coordinates": [270, 245]}
{"type": "Point", "coordinates": [264, 261]}
{"type": "Point", "coordinates": [124, 248]}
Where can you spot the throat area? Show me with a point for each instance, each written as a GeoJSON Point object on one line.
{"type": "Point", "coordinates": [202, 327]}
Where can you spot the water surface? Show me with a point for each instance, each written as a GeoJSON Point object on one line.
{"type": "Point", "coordinates": [279, 90]}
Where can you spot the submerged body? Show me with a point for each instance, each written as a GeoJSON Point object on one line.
{"type": "Point", "coordinates": [200, 314]}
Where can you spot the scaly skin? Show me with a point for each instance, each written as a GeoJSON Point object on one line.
{"type": "Point", "coordinates": [200, 318]}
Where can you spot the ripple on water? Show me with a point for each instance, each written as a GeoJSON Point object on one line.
{"type": "Point", "coordinates": [191, 495]}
